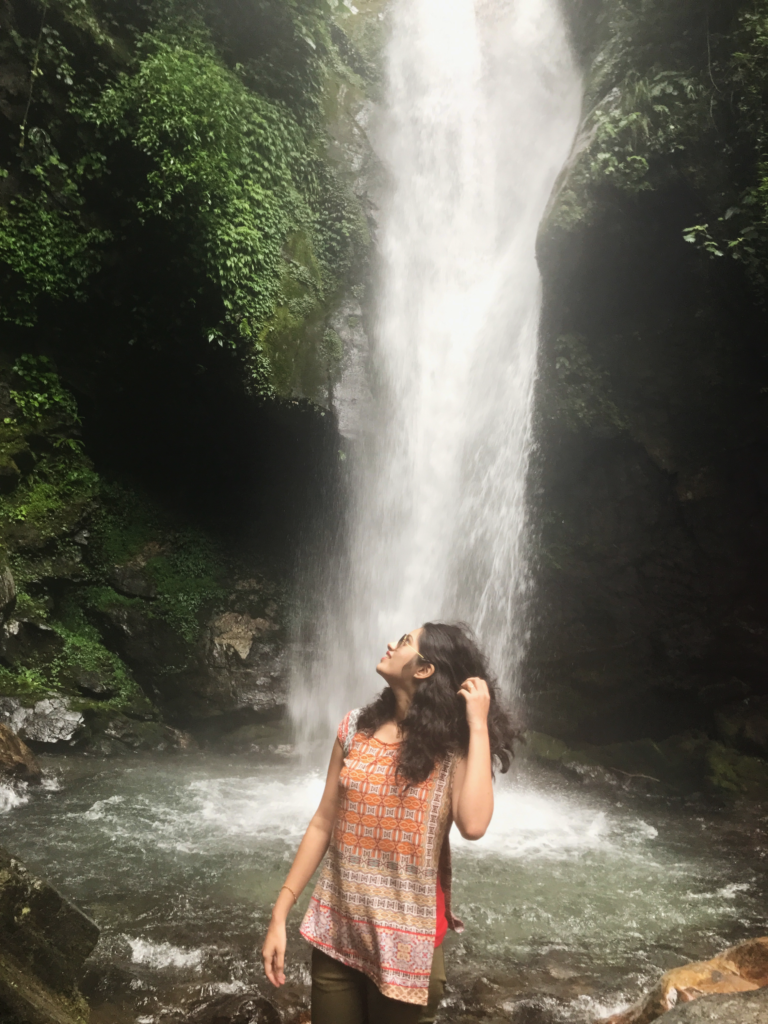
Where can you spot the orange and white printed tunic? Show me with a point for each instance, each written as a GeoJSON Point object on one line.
{"type": "Point", "coordinates": [374, 906]}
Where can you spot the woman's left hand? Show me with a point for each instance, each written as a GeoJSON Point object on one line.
{"type": "Point", "coordinates": [478, 700]}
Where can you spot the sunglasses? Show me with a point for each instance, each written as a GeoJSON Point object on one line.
{"type": "Point", "coordinates": [406, 640]}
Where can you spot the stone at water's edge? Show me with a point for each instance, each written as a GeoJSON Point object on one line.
{"type": "Point", "coordinates": [16, 759]}
{"type": "Point", "coordinates": [44, 940]}
{"type": "Point", "coordinates": [741, 968]}
{"type": "Point", "coordinates": [54, 721]}
{"type": "Point", "coordinates": [747, 1008]}
{"type": "Point", "coordinates": [237, 1009]}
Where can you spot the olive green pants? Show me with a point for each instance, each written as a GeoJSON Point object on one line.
{"type": "Point", "coordinates": [342, 995]}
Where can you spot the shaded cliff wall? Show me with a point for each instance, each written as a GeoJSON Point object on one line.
{"type": "Point", "coordinates": [651, 477]}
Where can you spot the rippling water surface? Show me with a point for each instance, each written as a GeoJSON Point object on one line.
{"type": "Point", "coordinates": [573, 897]}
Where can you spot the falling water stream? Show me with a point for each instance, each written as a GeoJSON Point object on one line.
{"type": "Point", "coordinates": [482, 106]}
{"type": "Point", "coordinates": [575, 897]}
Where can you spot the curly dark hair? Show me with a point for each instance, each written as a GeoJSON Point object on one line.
{"type": "Point", "coordinates": [436, 723]}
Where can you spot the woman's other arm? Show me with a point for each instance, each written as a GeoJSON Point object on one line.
{"type": "Point", "coordinates": [311, 851]}
{"type": "Point", "coordinates": [473, 779]}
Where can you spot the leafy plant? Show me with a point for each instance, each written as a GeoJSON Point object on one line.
{"type": "Point", "coordinates": [39, 390]}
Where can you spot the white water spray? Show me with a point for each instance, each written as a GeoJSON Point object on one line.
{"type": "Point", "coordinates": [482, 105]}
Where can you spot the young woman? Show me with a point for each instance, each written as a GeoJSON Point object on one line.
{"type": "Point", "coordinates": [402, 770]}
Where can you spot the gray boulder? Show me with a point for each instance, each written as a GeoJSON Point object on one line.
{"type": "Point", "coordinates": [742, 1008]}
{"type": "Point", "coordinates": [48, 721]}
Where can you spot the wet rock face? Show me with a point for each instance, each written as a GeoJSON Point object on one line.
{"type": "Point", "coordinates": [352, 398]}
{"type": "Point", "coordinates": [742, 968]}
{"type": "Point", "coordinates": [749, 1008]}
{"type": "Point", "coordinates": [236, 663]}
{"type": "Point", "coordinates": [44, 941]}
{"type": "Point", "coordinates": [239, 1009]}
{"type": "Point", "coordinates": [649, 483]}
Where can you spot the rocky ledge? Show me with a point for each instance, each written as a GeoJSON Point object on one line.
{"type": "Point", "coordinates": [739, 969]}
{"type": "Point", "coordinates": [746, 1008]}
{"type": "Point", "coordinates": [44, 941]}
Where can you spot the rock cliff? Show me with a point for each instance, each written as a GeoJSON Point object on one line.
{"type": "Point", "coordinates": [650, 476]}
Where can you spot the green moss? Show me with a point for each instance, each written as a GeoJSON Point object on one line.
{"type": "Point", "coordinates": [184, 564]}
{"type": "Point", "coordinates": [57, 486]}
{"type": "Point", "coordinates": [33, 683]}
{"type": "Point", "coordinates": [79, 649]}
{"type": "Point", "coordinates": [731, 772]}
{"type": "Point", "coordinates": [187, 582]}
{"type": "Point", "coordinates": [582, 392]}
{"type": "Point", "coordinates": [50, 501]}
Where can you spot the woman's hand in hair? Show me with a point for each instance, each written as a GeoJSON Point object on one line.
{"type": "Point", "coordinates": [478, 700]}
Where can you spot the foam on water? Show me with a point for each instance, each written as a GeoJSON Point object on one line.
{"type": "Point", "coordinates": [274, 807]}
{"type": "Point", "coordinates": [12, 797]}
{"type": "Point", "coordinates": [528, 823]}
{"type": "Point", "coordinates": [161, 955]}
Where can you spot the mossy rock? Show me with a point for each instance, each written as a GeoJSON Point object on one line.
{"type": "Point", "coordinates": [730, 772]}
{"type": "Point", "coordinates": [111, 732]}
{"type": "Point", "coordinates": [686, 763]}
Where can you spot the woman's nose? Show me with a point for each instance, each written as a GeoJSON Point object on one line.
{"type": "Point", "coordinates": [392, 646]}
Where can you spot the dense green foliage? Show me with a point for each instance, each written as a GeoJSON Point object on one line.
{"type": "Point", "coordinates": [182, 563]}
{"type": "Point", "coordinates": [51, 493]}
{"type": "Point", "coordinates": [676, 99]}
{"type": "Point", "coordinates": [148, 160]}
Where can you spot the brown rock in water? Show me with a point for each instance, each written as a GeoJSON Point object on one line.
{"type": "Point", "coordinates": [741, 968]}
{"type": "Point", "coordinates": [16, 759]}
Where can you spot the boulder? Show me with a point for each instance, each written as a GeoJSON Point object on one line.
{"type": "Point", "coordinates": [235, 664]}
{"type": "Point", "coordinates": [44, 941]}
{"type": "Point", "coordinates": [238, 632]}
{"type": "Point", "coordinates": [48, 721]}
{"type": "Point", "coordinates": [741, 968]}
{"type": "Point", "coordinates": [92, 683]}
{"type": "Point", "coordinates": [99, 729]}
{"type": "Point", "coordinates": [249, 1008]}
{"type": "Point", "coordinates": [133, 581]}
{"type": "Point", "coordinates": [746, 1008]}
{"type": "Point", "coordinates": [110, 732]}
{"type": "Point", "coordinates": [16, 759]}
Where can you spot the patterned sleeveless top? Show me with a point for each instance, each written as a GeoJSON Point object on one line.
{"type": "Point", "coordinates": [374, 905]}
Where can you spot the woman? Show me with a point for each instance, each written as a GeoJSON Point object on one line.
{"type": "Point", "coordinates": [402, 769]}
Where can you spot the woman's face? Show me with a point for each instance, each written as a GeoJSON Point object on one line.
{"type": "Point", "coordinates": [401, 662]}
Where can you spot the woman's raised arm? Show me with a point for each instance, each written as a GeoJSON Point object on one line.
{"type": "Point", "coordinates": [311, 851]}
{"type": "Point", "coordinates": [473, 781]}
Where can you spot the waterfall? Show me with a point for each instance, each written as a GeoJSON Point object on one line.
{"type": "Point", "coordinates": [482, 104]}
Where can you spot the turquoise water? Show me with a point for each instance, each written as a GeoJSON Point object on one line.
{"type": "Point", "coordinates": [574, 899]}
